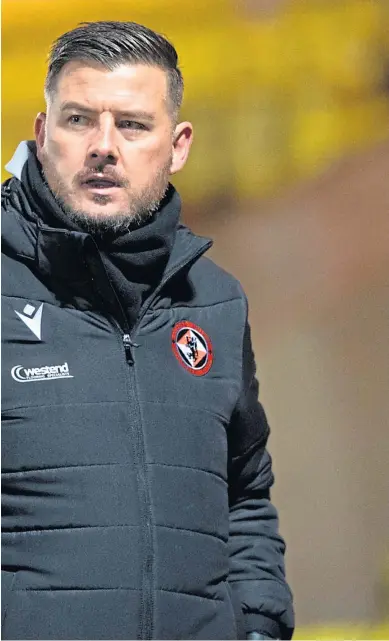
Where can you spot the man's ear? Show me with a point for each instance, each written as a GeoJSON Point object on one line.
{"type": "Point", "coordinates": [40, 132]}
{"type": "Point", "coordinates": [182, 141]}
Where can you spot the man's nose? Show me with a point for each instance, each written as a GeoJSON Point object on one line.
{"type": "Point", "coordinates": [103, 148]}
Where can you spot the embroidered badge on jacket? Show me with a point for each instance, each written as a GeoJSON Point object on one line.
{"type": "Point", "coordinates": [192, 347]}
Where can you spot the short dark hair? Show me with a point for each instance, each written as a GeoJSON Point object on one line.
{"type": "Point", "coordinates": [112, 44]}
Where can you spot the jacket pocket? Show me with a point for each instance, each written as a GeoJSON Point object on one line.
{"type": "Point", "coordinates": [8, 580]}
{"type": "Point", "coordinates": [238, 612]}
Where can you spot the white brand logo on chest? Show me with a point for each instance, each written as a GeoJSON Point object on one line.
{"type": "Point", "coordinates": [32, 317]}
{"type": "Point", "coordinates": [47, 373]}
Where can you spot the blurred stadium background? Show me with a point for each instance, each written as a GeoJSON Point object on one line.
{"type": "Point", "coordinates": [289, 174]}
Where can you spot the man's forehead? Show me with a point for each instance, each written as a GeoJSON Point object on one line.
{"type": "Point", "coordinates": [126, 81]}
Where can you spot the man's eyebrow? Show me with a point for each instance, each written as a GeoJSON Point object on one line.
{"type": "Point", "coordinates": [133, 114]}
{"type": "Point", "coordinates": [142, 115]}
{"type": "Point", "coordinates": [76, 106]}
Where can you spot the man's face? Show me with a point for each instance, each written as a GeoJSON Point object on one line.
{"type": "Point", "coordinates": [108, 143]}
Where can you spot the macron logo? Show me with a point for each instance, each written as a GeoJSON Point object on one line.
{"type": "Point", "coordinates": [32, 317]}
{"type": "Point", "coordinates": [47, 373]}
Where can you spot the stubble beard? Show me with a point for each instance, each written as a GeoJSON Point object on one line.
{"type": "Point", "coordinates": [142, 205]}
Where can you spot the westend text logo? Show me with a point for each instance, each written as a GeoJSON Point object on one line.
{"type": "Point", "coordinates": [47, 373]}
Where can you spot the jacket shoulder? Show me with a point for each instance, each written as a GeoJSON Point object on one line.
{"type": "Point", "coordinates": [18, 234]}
{"type": "Point", "coordinates": [215, 285]}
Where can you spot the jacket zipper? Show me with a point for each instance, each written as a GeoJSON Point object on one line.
{"type": "Point", "coordinates": [147, 592]}
{"type": "Point", "coordinates": [145, 629]}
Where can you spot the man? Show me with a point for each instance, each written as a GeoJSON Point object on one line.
{"type": "Point", "coordinates": [135, 476]}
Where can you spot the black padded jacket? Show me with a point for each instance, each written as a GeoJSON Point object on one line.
{"type": "Point", "coordinates": [135, 473]}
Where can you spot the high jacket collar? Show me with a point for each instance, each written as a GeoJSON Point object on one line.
{"type": "Point", "coordinates": [37, 231]}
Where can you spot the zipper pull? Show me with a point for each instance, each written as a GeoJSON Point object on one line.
{"type": "Point", "coordinates": [128, 345]}
{"type": "Point", "coordinates": [127, 342]}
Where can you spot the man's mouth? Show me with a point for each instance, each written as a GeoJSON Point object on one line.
{"type": "Point", "coordinates": [100, 183]}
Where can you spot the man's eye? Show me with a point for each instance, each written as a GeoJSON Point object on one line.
{"type": "Point", "coordinates": [131, 124]}
{"type": "Point", "coordinates": [77, 120]}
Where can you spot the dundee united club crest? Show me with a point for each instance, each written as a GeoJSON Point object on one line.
{"type": "Point", "coordinates": [192, 348]}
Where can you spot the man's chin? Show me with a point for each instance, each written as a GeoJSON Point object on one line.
{"type": "Point", "coordinates": [104, 209]}
{"type": "Point", "coordinates": [103, 219]}
{"type": "Point", "coordinates": [100, 205]}
{"type": "Point", "coordinates": [111, 213]}
{"type": "Point", "coordinates": [101, 213]}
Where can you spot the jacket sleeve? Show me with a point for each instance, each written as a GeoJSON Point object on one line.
{"type": "Point", "coordinates": [257, 571]}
